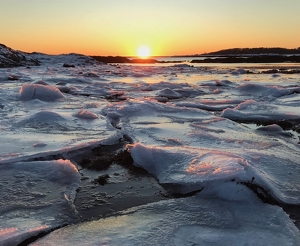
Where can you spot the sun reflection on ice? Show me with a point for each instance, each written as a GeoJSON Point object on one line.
{"type": "Point", "coordinates": [7, 231]}
{"type": "Point", "coordinates": [199, 168]}
{"type": "Point", "coordinates": [217, 165]}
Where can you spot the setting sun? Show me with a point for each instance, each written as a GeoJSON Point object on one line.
{"type": "Point", "coordinates": [143, 52]}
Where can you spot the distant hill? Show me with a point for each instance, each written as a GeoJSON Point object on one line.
{"type": "Point", "coordinates": [122, 59]}
{"type": "Point", "coordinates": [262, 58]}
{"type": "Point", "coordinates": [111, 59]}
{"type": "Point", "coordinates": [255, 51]}
{"type": "Point", "coordinates": [14, 58]}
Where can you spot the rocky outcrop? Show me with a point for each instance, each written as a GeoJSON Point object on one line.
{"type": "Point", "coordinates": [13, 58]}
{"type": "Point", "coordinates": [111, 59]}
{"type": "Point", "coordinates": [255, 51]}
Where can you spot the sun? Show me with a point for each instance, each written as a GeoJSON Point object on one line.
{"type": "Point", "coordinates": [143, 52]}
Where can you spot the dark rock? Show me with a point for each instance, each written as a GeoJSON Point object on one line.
{"type": "Point", "coordinates": [12, 77]}
{"type": "Point", "coordinates": [111, 59]}
{"type": "Point", "coordinates": [143, 61]}
{"type": "Point", "coordinates": [250, 59]}
{"type": "Point", "coordinates": [121, 59]}
{"type": "Point", "coordinates": [123, 158]}
{"type": "Point", "coordinates": [99, 163]}
{"type": "Point", "coordinates": [64, 89]}
{"type": "Point", "coordinates": [13, 58]}
{"type": "Point", "coordinates": [255, 51]}
{"type": "Point", "coordinates": [68, 65]}
{"type": "Point", "coordinates": [102, 179]}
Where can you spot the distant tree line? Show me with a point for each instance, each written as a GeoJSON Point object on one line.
{"type": "Point", "coordinates": [253, 51]}
{"type": "Point", "coordinates": [251, 59]}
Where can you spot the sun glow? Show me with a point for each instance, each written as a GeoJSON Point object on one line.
{"type": "Point", "coordinates": [143, 52]}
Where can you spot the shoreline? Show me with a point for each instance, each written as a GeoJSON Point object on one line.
{"type": "Point", "coordinates": [204, 59]}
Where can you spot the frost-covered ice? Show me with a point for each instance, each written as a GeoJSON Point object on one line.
{"type": "Point", "coordinates": [181, 121]}
{"type": "Point", "coordinates": [41, 92]}
{"type": "Point", "coordinates": [252, 110]}
{"type": "Point", "coordinates": [187, 221]}
{"type": "Point", "coordinates": [35, 197]}
{"type": "Point", "coordinates": [188, 146]}
{"type": "Point", "coordinates": [60, 125]}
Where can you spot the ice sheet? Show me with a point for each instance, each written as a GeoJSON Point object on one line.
{"type": "Point", "coordinates": [182, 136]}
{"type": "Point", "coordinates": [179, 118]}
{"type": "Point", "coordinates": [35, 197]}
{"type": "Point", "coordinates": [251, 111]}
{"type": "Point", "coordinates": [186, 169]}
{"type": "Point", "coordinates": [38, 128]}
{"type": "Point", "coordinates": [186, 221]}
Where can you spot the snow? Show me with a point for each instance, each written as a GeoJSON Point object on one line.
{"type": "Point", "coordinates": [181, 121]}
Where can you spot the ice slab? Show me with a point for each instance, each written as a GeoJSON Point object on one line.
{"type": "Point", "coordinates": [38, 91]}
{"type": "Point", "coordinates": [41, 127]}
{"type": "Point", "coordinates": [36, 197]}
{"type": "Point", "coordinates": [172, 138]}
{"type": "Point", "coordinates": [154, 123]}
{"type": "Point", "coordinates": [46, 132]}
{"type": "Point", "coordinates": [254, 111]}
{"type": "Point", "coordinates": [186, 169]}
{"type": "Point", "coordinates": [266, 91]}
{"type": "Point", "coordinates": [186, 221]}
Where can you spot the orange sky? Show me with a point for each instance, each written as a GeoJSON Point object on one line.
{"type": "Point", "coordinates": [168, 27]}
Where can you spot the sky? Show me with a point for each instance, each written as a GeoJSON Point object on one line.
{"type": "Point", "coordinates": [167, 27]}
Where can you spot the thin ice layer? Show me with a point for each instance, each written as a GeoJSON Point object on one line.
{"type": "Point", "coordinates": [186, 169]}
{"type": "Point", "coordinates": [190, 167]}
{"type": "Point", "coordinates": [35, 197]}
{"type": "Point", "coordinates": [180, 136]}
{"type": "Point", "coordinates": [186, 221]}
{"type": "Point", "coordinates": [45, 132]}
{"type": "Point", "coordinates": [254, 111]}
